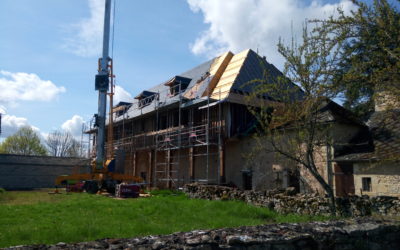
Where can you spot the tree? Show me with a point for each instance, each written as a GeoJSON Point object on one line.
{"type": "Point", "coordinates": [63, 144]}
{"type": "Point", "coordinates": [293, 127]}
{"type": "Point", "coordinates": [24, 142]}
{"type": "Point", "coordinates": [369, 64]}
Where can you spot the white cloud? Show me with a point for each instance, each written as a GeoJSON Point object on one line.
{"type": "Point", "coordinates": [86, 35]}
{"type": "Point", "coordinates": [26, 87]}
{"type": "Point", "coordinates": [121, 95]}
{"type": "Point", "coordinates": [74, 125]}
{"type": "Point", "coordinates": [10, 124]}
{"type": "Point", "coordinates": [256, 24]}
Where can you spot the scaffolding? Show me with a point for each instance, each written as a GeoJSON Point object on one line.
{"type": "Point", "coordinates": [170, 140]}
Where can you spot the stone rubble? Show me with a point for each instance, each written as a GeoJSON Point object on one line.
{"type": "Point", "coordinates": [286, 201]}
{"type": "Point", "coordinates": [358, 233]}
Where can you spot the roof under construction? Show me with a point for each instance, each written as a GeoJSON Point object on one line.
{"type": "Point", "coordinates": [228, 77]}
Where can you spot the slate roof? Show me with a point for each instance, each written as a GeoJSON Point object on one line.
{"type": "Point", "coordinates": [165, 99]}
{"type": "Point", "coordinates": [254, 67]}
{"type": "Point", "coordinates": [237, 69]}
{"type": "Point", "coordinates": [384, 131]}
{"type": "Point", "coordinates": [333, 112]}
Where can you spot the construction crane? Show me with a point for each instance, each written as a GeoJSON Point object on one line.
{"type": "Point", "coordinates": [103, 173]}
{"type": "Point", "coordinates": [102, 82]}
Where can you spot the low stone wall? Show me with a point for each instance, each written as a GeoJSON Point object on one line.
{"type": "Point", "coordinates": [30, 172]}
{"type": "Point", "coordinates": [309, 204]}
{"type": "Point", "coordinates": [355, 234]}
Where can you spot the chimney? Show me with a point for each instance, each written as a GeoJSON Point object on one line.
{"type": "Point", "coordinates": [384, 100]}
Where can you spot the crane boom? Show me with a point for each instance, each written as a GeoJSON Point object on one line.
{"type": "Point", "coordinates": [102, 85]}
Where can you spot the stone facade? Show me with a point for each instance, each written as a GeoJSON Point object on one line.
{"type": "Point", "coordinates": [344, 235]}
{"type": "Point", "coordinates": [309, 204]}
{"type": "Point", "coordinates": [384, 178]}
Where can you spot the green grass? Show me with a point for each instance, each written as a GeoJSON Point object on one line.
{"type": "Point", "coordinates": [39, 218]}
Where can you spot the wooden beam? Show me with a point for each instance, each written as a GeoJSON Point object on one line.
{"type": "Point", "coordinates": [149, 168]}
{"type": "Point", "coordinates": [168, 174]}
{"type": "Point", "coordinates": [134, 163]}
{"type": "Point", "coordinates": [191, 164]}
{"type": "Point", "coordinates": [222, 164]}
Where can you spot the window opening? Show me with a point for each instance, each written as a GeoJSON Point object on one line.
{"type": "Point", "coordinates": [366, 184]}
{"type": "Point", "coordinates": [177, 83]}
{"type": "Point", "coordinates": [145, 98]}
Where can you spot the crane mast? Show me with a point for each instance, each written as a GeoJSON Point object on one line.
{"type": "Point", "coordinates": [103, 175]}
{"type": "Point", "coordinates": [102, 85]}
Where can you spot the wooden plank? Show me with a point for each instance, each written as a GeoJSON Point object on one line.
{"type": "Point", "coordinates": [220, 65]}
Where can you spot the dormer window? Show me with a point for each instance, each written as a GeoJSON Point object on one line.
{"type": "Point", "coordinates": [145, 98]}
{"type": "Point", "coordinates": [121, 108]}
{"type": "Point", "coordinates": [177, 83]}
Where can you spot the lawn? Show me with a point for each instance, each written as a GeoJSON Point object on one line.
{"type": "Point", "coordinates": [35, 217]}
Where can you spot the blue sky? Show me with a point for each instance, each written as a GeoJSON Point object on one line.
{"type": "Point", "coordinates": [49, 48]}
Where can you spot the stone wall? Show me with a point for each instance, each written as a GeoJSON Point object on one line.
{"type": "Point", "coordinates": [309, 204]}
{"type": "Point", "coordinates": [385, 178]}
{"type": "Point", "coordinates": [355, 234]}
{"type": "Point", "coordinates": [29, 172]}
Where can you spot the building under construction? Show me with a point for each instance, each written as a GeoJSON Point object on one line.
{"type": "Point", "coordinates": [191, 127]}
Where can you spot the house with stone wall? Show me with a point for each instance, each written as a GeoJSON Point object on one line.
{"type": "Point", "coordinates": [196, 127]}
{"type": "Point", "coordinates": [373, 165]}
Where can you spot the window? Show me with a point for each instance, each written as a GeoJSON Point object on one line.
{"type": "Point", "coordinates": [366, 184]}
{"type": "Point", "coordinates": [175, 118]}
{"type": "Point", "coordinates": [145, 98]}
{"type": "Point", "coordinates": [177, 84]}
{"type": "Point", "coordinates": [146, 101]}
{"type": "Point", "coordinates": [162, 122]}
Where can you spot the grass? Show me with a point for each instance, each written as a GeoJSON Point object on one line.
{"type": "Point", "coordinates": [39, 218]}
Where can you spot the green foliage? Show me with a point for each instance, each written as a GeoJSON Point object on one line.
{"type": "Point", "coordinates": [24, 142]}
{"type": "Point", "coordinates": [369, 39]}
{"type": "Point", "coordinates": [48, 219]}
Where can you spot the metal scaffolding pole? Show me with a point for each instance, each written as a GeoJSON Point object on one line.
{"type": "Point", "coordinates": [179, 134]}
{"type": "Point", "coordinates": [208, 133]}
{"type": "Point", "coordinates": [156, 104]}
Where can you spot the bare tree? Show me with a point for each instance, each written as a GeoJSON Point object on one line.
{"type": "Point", "coordinates": [76, 149]}
{"type": "Point", "coordinates": [293, 126]}
{"type": "Point", "coordinates": [63, 144]}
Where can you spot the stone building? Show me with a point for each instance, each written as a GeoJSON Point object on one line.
{"type": "Point", "coordinates": [373, 165]}
{"type": "Point", "coordinates": [196, 127]}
